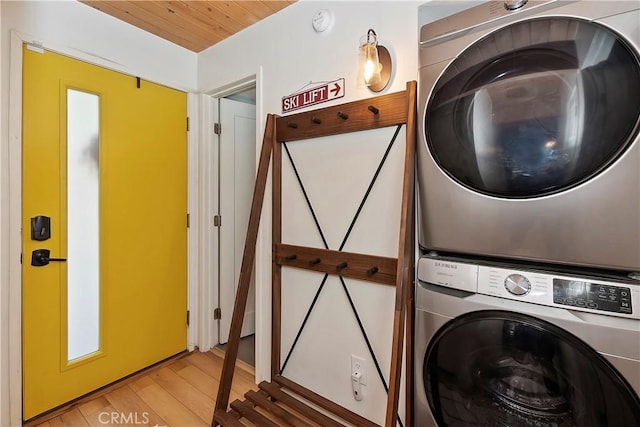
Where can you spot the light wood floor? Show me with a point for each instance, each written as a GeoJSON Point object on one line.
{"type": "Point", "coordinates": [180, 393]}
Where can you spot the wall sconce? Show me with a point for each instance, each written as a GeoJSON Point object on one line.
{"type": "Point", "coordinates": [375, 62]}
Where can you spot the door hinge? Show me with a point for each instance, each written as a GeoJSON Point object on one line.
{"type": "Point", "coordinates": [187, 124]}
{"type": "Point", "coordinates": [138, 81]}
{"type": "Point", "coordinates": [188, 220]}
{"type": "Point", "coordinates": [217, 221]}
{"type": "Point", "coordinates": [188, 317]}
{"type": "Point", "coordinates": [20, 258]}
{"type": "Point", "coordinates": [217, 314]}
{"type": "Point", "coordinates": [217, 128]}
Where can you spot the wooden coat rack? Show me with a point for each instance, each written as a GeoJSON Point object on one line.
{"type": "Point", "coordinates": [272, 406]}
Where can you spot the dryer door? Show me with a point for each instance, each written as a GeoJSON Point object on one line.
{"type": "Point", "coordinates": [498, 368]}
{"type": "Point", "coordinates": [535, 108]}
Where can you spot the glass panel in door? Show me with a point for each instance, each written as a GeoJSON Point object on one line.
{"type": "Point", "coordinates": [83, 227]}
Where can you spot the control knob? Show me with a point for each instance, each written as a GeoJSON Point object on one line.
{"type": "Point", "coordinates": [514, 4]}
{"type": "Point", "coordinates": [517, 284]}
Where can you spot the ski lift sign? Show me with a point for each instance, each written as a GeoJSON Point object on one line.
{"type": "Point", "coordinates": [314, 95]}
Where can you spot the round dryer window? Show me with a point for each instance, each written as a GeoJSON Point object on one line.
{"type": "Point", "coordinates": [535, 108]}
{"type": "Point", "coordinates": [498, 368]}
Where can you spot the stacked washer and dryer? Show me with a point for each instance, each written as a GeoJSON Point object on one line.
{"type": "Point", "coordinates": [528, 290]}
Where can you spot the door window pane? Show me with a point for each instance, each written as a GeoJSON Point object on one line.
{"type": "Point", "coordinates": [83, 232]}
{"type": "Point", "coordinates": [535, 108]}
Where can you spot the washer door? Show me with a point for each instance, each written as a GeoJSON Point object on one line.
{"type": "Point", "coordinates": [535, 108]}
{"type": "Point", "coordinates": [498, 368]}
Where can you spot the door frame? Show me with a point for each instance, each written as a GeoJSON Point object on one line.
{"type": "Point", "coordinates": [209, 161]}
{"type": "Point", "coordinates": [14, 264]}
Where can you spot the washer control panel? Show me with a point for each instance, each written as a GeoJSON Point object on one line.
{"type": "Point", "coordinates": [621, 299]}
{"type": "Point", "coordinates": [606, 297]}
{"type": "Point", "coordinates": [555, 290]}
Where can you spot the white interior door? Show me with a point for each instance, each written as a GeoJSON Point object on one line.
{"type": "Point", "coordinates": [237, 176]}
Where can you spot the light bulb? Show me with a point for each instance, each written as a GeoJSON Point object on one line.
{"type": "Point", "coordinates": [370, 65]}
{"type": "Point", "coordinates": [369, 69]}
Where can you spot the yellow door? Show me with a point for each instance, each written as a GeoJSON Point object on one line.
{"type": "Point", "coordinates": [106, 162]}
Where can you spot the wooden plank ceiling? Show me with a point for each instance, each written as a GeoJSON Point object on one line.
{"type": "Point", "coordinates": [194, 25]}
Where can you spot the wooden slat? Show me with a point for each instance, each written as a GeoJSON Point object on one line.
{"type": "Point", "coordinates": [207, 10]}
{"type": "Point", "coordinates": [405, 259]}
{"type": "Point", "coordinates": [169, 17]}
{"type": "Point", "coordinates": [246, 269]}
{"type": "Point", "coordinates": [409, 335]}
{"type": "Point", "coordinates": [245, 409]}
{"type": "Point", "coordinates": [258, 8]}
{"type": "Point", "coordinates": [195, 25]}
{"type": "Point", "coordinates": [275, 392]}
{"type": "Point", "coordinates": [260, 398]}
{"type": "Point", "coordinates": [331, 407]}
{"type": "Point", "coordinates": [276, 239]}
{"type": "Point", "coordinates": [122, 11]}
{"type": "Point", "coordinates": [228, 419]}
{"type": "Point", "coordinates": [198, 15]}
{"type": "Point", "coordinates": [233, 11]}
{"type": "Point", "coordinates": [392, 110]}
{"type": "Point", "coordinates": [186, 10]}
{"type": "Point", "coordinates": [409, 357]}
{"type": "Point", "coordinates": [358, 265]}
{"type": "Point", "coordinates": [277, 5]}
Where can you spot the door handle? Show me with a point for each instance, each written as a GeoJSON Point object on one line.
{"type": "Point", "coordinates": [42, 257]}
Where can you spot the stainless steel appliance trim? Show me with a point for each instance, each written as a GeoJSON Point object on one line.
{"type": "Point", "coordinates": [438, 31]}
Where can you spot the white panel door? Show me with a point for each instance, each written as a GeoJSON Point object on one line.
{"type": "Point", "coordinates": [237, 176]}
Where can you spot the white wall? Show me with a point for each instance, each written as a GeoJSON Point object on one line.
{"type": "Point", "coordinates": [78, 30]}
{"type": "Point", "coordinates": [290, 55]}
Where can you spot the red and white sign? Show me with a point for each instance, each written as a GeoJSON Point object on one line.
{"type": "Point", "coordinates": [314, 95]}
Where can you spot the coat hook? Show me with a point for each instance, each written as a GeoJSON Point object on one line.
{"type": "Point", "coordinates": [316, 120]}
{"type": "Point", "coordinates": [373, 109]}
{"type": "Point", "coordinates": [343, 115]}
{"type": "Point", "coordinates": [342, 265]}
{"type": "Point", "coordinates": [291, 257]}
{"type": "Point", "coordinates": [292, 125]}
{"type": "Point", "coordinates": [372, 271]}
{"type": "Point", "coordinates": [315, 261]}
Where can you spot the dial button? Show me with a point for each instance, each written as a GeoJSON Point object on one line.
{"type": "Point", "coordinates": [514, 4]}
{"type": "Point", "coordinates": [517, 284]}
